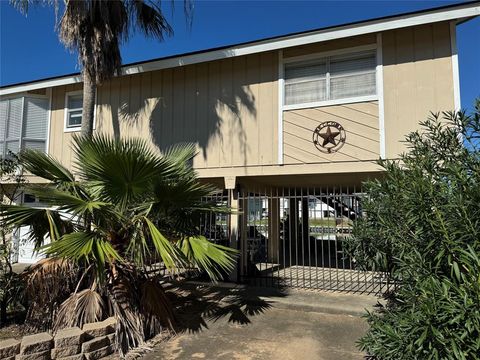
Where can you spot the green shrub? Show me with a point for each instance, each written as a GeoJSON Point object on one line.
{"type": "Point", "coordinates": [11, 284]}
{"type": "Point", "coordinates": [422, 226]}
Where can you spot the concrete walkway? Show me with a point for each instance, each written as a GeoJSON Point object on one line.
{"type": "Point", "coordinates": [254, 323]}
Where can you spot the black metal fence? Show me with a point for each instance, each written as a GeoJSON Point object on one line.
{"type": "Point", "coordinates": [295, 237]}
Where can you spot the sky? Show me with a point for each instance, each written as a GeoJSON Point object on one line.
{"type": "Point", "coordinates": [30, 49]}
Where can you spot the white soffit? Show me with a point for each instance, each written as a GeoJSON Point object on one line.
{"type": "Point", "coordinates": [461, 11]}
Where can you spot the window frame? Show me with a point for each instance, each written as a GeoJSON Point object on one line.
{"type": "Point", "coordinates": [353, 51]}
{"type": "Point", "coordinates": [25, 96]}
{"type": "Point", "coordinates": [66, 110]}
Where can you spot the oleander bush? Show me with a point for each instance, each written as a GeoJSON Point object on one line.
{"type": "Point", "coordinates": [422, 227]}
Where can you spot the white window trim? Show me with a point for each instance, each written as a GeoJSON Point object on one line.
{"type": "Point", "coordinates": [49, 119]}
{"type": "Point", "coordinates": [350, 100]}
{"type": "Point", "coordinates": [65, 112]}
{"type": "Point", "coordinates": [456, 73]}
{"type": "Point", "coordinates": [319, 55]}
{"type": "Point", "coordinates": [381, 98]}
{"type": "Point", "coordinates": [281, 89]}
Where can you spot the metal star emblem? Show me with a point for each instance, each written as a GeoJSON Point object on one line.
{"type": "Point", "coordinates": [329, 136]}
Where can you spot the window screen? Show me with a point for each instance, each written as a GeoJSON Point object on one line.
{"type": "Point", "coordinates": [331, 78]}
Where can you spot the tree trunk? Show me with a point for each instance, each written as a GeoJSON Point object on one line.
{"type": "Point", "coordinates": [3, 312]}
{"type": "Point", "coordinates": [89, 90]}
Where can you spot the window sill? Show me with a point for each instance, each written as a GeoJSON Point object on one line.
{"type": "Point", "coordinates": [331, 102]}
{"type": "Point", "coordinates": [72, 129]}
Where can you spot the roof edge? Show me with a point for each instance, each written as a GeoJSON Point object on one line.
{"type": "Point", "coordinates": [466, 10]}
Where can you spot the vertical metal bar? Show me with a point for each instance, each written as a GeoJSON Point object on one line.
{"type": "Point", "coordinates": [284, 235]}
{"type": "Point", "coordinates": [296, 216]}
{"type": "Point", "coordinates": [307, 217]}
{"type": "Point", "coordinates": [321, 229]}
{"type": "Point", "coordinates": [339, 200]}
{"type": "Point", "coordinates": [290, 234]}
{"type": "Point", "coordinates": [330, 245]}
{"type": "Point", "coordinates": [278, 235]}
{"type": "Point", "coordinates": [316, 222]}
{"type": "Point", "coordinates": [302, 235]}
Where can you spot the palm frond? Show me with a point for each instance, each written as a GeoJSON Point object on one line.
{"type": "Point", "coordinates": [83, 246]}
{"type": "Point", "coordinates": [79, 205]}
{"type": "Point", "coordinates": [24, 5]}
{"type": "Point", "coordinates": [156, 307]}
{"type": "Point", "coordinates": [82, 307]}
{"type": "Point", "coordinates": [43, 222]}
{"type": "Point", "coordinates": [170, 255]}
{"type": "Point", "coordinates": [129, 328]}
{"type": "Point", "coordinates": [210, 257]}
{"type": "Point", "coordinates": [48, 283]}
{"type": "Point", "coordinates": [181, 154]}
{"type": "Point", "coordinates": [119, 171]}
{"type": "Point", "coordinates": [50, 270]}
{"type": "Point", "coordinates": [148, 17]}
{"type": "Point", "coordinates": [45, 166]}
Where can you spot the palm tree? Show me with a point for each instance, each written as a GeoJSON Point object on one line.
{"type": "Point", "coordinates": [123, 211]}
{"type": "Point", "coordinates": [95, 29]}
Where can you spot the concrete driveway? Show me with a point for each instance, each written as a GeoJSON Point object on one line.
{"type": "Point", "coordinates": [251, 325]}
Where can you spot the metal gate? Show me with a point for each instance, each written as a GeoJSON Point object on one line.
{"type": "Point", "coordinates": [294, 237]}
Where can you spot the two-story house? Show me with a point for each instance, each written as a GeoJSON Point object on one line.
{"type": "Point", "coordinates": [287, 127]}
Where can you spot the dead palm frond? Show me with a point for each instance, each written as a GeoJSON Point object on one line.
{"type": "Point", "coordinates": [48, 283]}
{"type": "Point", "coordinates": [85, 306]}
{"type": "Point", "coordinates": [155, 307]}
{"type": "Point", "coordinates": [129, 327]}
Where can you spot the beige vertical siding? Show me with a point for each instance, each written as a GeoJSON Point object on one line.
{"type": "Point", "coordinates": [60, 141]}
{"type": "Point", "coordinates": [359, 120]}
{"type": "Point", "coordinates": [228, 108]}
{"type": "Point", "coordinates": [417, 79]}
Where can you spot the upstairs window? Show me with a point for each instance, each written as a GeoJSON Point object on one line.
{"type": "Point", "coordinates": [23, 124]}
{"type": "Point", "coordinates": [330, 78]}
{"type": "Point", "coordinates": [74, 110]}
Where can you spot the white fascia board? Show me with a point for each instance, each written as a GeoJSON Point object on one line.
{"type": "Point", "coordinates": [367, 27]}
{"type": "Point", "coordinates": [67, 80]}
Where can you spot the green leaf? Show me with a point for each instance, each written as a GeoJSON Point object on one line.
{"type": "Point", "coordinates": [208, 256]}
{"type": "Point", "coordinates": [170, 255]}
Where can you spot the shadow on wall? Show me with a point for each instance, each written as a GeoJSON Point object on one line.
{"type": "Point", "coordinates": [208, 104]}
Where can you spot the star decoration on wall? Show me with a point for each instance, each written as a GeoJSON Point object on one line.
{"type": "Point", "coordinates": [329, 137]}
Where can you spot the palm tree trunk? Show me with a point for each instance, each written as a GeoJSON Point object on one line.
{"type": "Point", "coordinates": [3, 311]}
{"type": "Point", "coordinates": [89, 91]}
